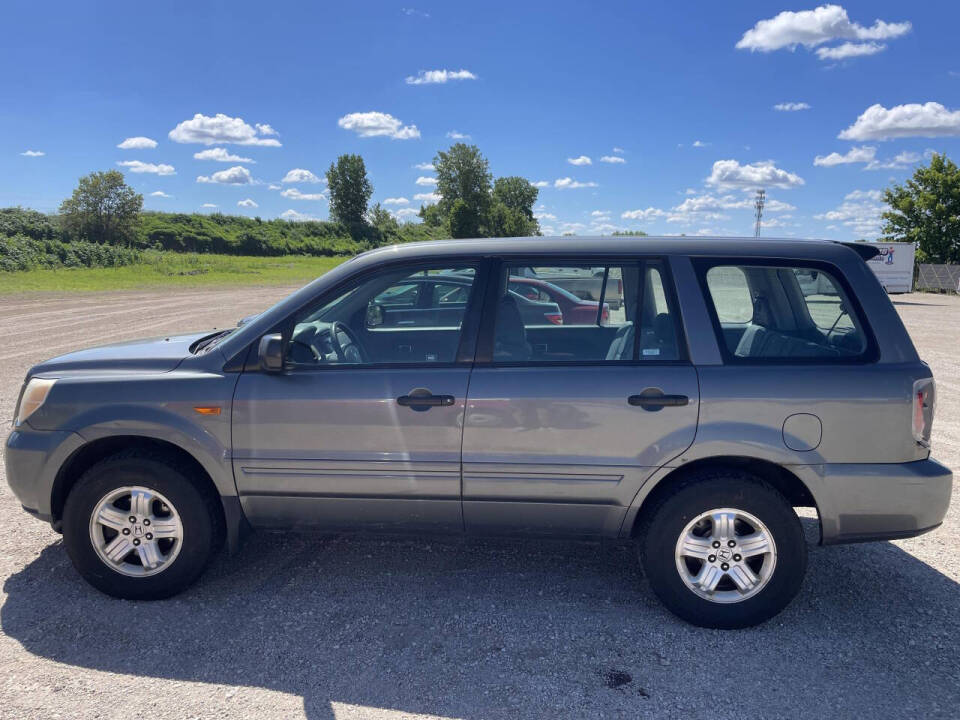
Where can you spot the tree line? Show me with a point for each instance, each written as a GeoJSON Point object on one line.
{"type": "Point", "coordinates": [104, 211]}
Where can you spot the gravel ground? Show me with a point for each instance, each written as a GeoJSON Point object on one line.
{"type": "Point", "coordinates": [365, 627]}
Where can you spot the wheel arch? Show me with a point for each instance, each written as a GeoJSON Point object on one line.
{"type": "Point", "coordinates": [781, 478]}
{"type": "Point", "coordinates": [94, 451]}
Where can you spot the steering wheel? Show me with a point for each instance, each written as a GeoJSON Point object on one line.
{"type": "Point", "coordinates": [350, 352]}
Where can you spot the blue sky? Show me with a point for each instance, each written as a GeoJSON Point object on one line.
{"type": "Point", "coordinates": [663, 87]}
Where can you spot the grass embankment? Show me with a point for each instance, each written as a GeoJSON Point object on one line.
{"type": "Point", "coordinates": [173, 269]}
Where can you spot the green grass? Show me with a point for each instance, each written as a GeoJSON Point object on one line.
{"type": "Point", "coordinates": [168, 269]}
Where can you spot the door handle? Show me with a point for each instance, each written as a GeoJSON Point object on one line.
{"type": "Point", "coordinates": [423, 399]}
{"type": "Point", "coordinates": [654, 401]}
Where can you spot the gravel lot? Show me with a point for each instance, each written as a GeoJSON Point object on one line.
{"type": "Point", "coordinates": [345, 627]}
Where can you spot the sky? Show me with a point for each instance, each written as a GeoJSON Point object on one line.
{"type": "Point", "coordinates": [657, 116]}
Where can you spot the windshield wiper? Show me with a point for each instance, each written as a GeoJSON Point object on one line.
{"type": "Point", "coordinates": [209, 341]}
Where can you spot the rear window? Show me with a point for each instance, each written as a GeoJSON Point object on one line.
{"type": "Point", "coordinates": [784, 313]}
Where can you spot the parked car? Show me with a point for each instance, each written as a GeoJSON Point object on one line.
{"type": "Point", "coordinates": [575, 311]}
{"type": "Point", "coordinates": [586, 283]}
{"type": "Point", "coordinates": [440, 299]}
{"type": "Point", "coordinates": [693, 426]}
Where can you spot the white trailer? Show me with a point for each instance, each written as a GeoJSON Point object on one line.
{"type": "Point", "coordinates": [894, 266]}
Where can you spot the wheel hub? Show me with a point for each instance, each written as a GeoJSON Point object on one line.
{"type": "Point", "coordinates": [725, 555]}
{"type": "Point", "coordinates": [136, 531]}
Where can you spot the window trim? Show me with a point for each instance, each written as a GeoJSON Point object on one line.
{"type": "Point", "coordinates": [485, 342]}
{"type": "Point", "coordinates": [702, 265]}
{"type": "Point", "coordinates": [468, 327]}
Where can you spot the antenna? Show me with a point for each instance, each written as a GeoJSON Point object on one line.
{"type": "Point", "coordinates": [758, 204]}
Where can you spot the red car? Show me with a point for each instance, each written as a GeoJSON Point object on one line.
{"type": "Point", "coordinates": [575, 311]}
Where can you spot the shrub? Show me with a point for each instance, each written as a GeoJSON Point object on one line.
{"type": "Point", "coordinates": [21, 252]}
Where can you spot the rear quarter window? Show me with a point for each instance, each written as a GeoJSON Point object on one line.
{"type": "Point", "coordinates": [784, 313]}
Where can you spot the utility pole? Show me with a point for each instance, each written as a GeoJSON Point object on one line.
{"type": "Point", "coordinates": [758, 204]}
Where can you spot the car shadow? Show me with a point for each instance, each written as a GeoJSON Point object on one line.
{"type": "Point", "coordinates": [475, 628]}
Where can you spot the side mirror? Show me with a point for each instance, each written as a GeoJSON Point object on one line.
{"type": "Point", "coordinates": [374, 315]}
{"type": "Point", "coordinates": [271, 352]}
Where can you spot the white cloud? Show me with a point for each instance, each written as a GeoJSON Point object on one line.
{"type": "Point", "coordinates": [700, 143]}
{"type": "Point", "coordinates": [582, 160]}
{"type": "Point", "coordinates": [208, 205]}
{"type": "Point", "coordinates": [912, 120]}
{"type": "Point", "coordinates": [455, 135]}
{"type": "Point", "coordinates": [425, 166]}
{"type": "Point", "coordinates": [378, 124]}
{"type": "Point", "coordinates": [219, 130]}
{"type": "Point", "coordinates": [427, 198]}
{"type": "Point", "coordinates": [811, 28]}
{"type": "Point", "coordinates": [426, 180]}
{"type": "Point", "coordinates": [791, 106]}
{"type": "Point", "coordinates": [861, 211]}
{"type": "Point", "coordinates": [273, 186]}
{"type": "Point", "coordinates": [265, 129]}
{"type": "Point", "coordinates": [138, 143]}
{"type": "Point", "coordinates": [135, 166]}
{"type": "Point", "coordinates": [439, 77]}
{"type": "Point", "coordinates": [618, 150]}
{"type": "Point", "coordinates": [613, 160]}
{"type": "Point", "coordinates": [863, 154]}
{"type": "Point", "coordinates": [900, 161]}
{"type": "Point", "coordinates": [295, 194]}
{"type": "Point", "coordinates": [730, 173]}
{"type": "Point", "coordinates": [649, 214]}
{"type": "Point", "coordinates": [33, 153]}
{"type": "Point", "coordinates": [544, 216]}
{"type": "Point", "coordinates": [160, 194]}
{"type": "Point", "coordinates": [237, 175]}
{"type": "Point", "coordinates": [568, 183]}
{"type": "Point", "coordinates": [248, 203]}
{"type": "Point", "coordinates": [296, 216]}
{"type": "Point", "coordinates": [600, 213]}
{"type": "Point", "coordinates": [220, 155]}
{"type": "Point", "coordinates": [406, 212]}
{"type": "Point", "coordinates": [541, 183]}
{"type": "Point", "coordinates": [413, 12]}
{"type": "Point", "coordinates": [849, 50]}
{"type": "Point", "coordinates": [299, 175]}
{"type": "Point", "coordinates": [396, 201]}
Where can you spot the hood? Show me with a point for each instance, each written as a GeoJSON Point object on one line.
{"type": "Point", "coordinates": [160, 354]}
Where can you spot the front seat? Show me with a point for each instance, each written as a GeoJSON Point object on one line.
{"type": "Point", "coordinates": [621, 348]}
{"type": "Point", "coordinates": [510, 336]}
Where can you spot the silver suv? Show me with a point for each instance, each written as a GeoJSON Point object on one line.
{"type": "Point", "coordinates": [709, 388]}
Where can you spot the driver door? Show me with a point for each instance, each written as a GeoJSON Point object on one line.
{"type": "Point", "coordinates": [366, 436]}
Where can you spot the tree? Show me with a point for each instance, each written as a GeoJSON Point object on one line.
{"type": "Point", "coordinates": [350, 190]}
{"type": "Point", "coordinates": [463, 174]}
{"type": "Point", "coordinates": [926, 210]}
{"type": "Point", "coordinates": [464, 220]}
{"type": "Point", "coordinates": [102, 209]}
{"type": "Point", "coordinates": [384, 223]}
{"type": "Point", "coordinates": [511, 214]}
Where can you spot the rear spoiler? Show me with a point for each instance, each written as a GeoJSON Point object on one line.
{"type": "Point", "coordinates": [867, 251]}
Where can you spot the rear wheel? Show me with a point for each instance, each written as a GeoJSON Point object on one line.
{"type": "Point", "coordinates": [136, 526]}
{"type": "Point", "coordinates": [724, 550]}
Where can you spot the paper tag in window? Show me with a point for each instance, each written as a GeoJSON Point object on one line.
{"type": "Point", "coordinates": [651, 351]}
{"type": "Point", "coordinates": [431, 357]}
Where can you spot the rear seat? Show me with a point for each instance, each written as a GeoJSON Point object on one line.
{"type": "Point", "coordinates": [759, 341]}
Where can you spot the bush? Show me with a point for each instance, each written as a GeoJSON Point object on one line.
{"type": "Point", "coordinates": [21, 252]}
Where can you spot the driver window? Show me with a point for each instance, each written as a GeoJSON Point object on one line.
{"type": "Point", "coordinates": [400, 316]}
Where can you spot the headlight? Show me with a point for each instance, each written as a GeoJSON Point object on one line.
{"type": "Point", "coordinates": [32, 398]}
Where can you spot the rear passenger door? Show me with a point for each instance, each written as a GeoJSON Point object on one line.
{"type": "Point", "coordinates": [564, 423]}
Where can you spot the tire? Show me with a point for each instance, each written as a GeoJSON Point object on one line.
{"type": "Point", "coordinates": [171, 503]}
{"type": "Point", "coordinates": [676, 572]}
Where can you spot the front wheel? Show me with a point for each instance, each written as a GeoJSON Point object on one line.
{"type": "Point", "coordinates": [137, 527]}
{"type": "Point", "coordinates": [724, 550]}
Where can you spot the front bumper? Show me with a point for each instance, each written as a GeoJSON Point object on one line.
{"type": "Point", "coordinates": [33, 458]}
{"type": "Point", "coordinates": [863, 502]}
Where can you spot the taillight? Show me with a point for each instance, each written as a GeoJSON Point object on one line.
{"type": "Point", "coordinates": [554, 318]}
{"type": "Point", "coordinates": [924, 399]}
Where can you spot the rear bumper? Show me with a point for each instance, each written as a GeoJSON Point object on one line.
{"type": "Point", "coordinates": [32, 459]}
{"type": "Point", "coordinates": [860, 502]}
